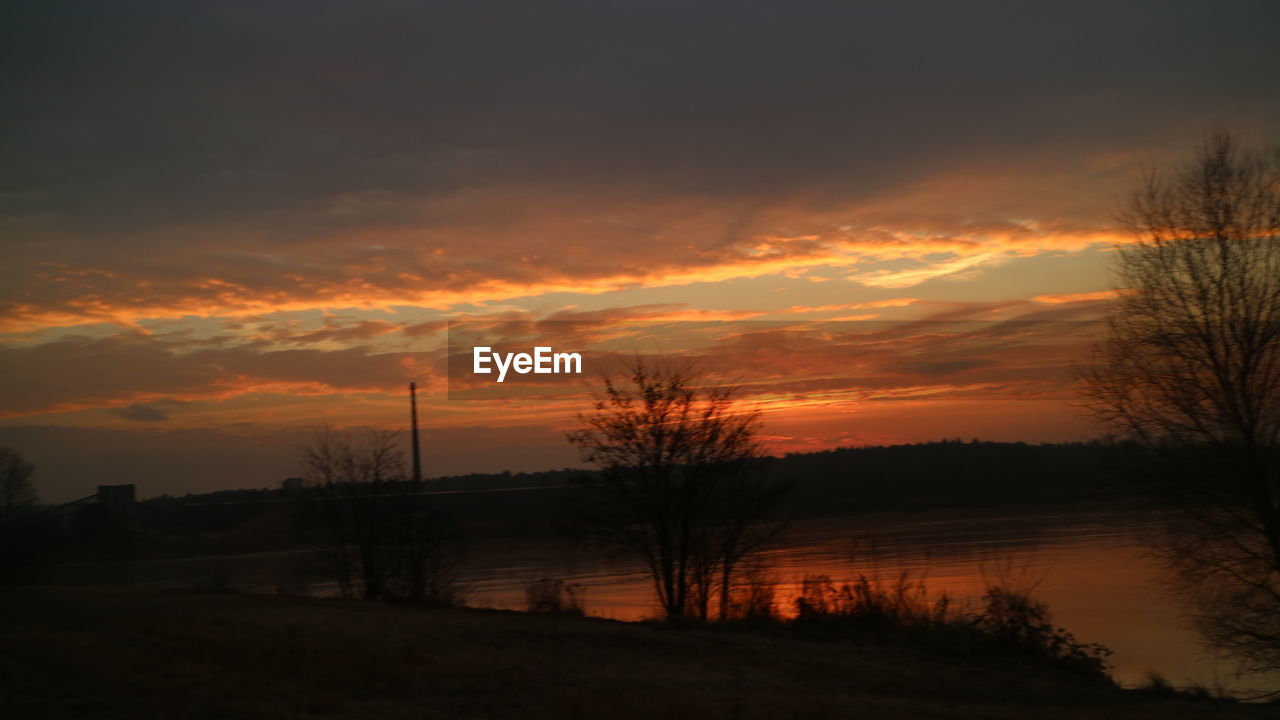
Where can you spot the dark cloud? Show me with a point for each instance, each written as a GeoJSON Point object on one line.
{"type": "Point", "coordinates": [332, 330]}
{"type": "Point", "coordinates": [81, 372]}
{"type": "Point", "coordinates": [136, 113]}
{"type": "Point", "coordinates": [135, 122]}
{"type": "Point", "coordinates": [140, 412]}
{"type": "Point", "coordinates": [948, 368]}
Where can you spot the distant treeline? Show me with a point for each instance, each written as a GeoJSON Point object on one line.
{"type": "Point", "coordinates": [950, 473]}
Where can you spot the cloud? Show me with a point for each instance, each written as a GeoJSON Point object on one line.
{"type": "Point", "coordinates": [1076, 297]}
{"type": "Point", "coordinates": [835, 380]}
{"type": "Point", "coordinates": [888, 303]}
{"type": "Point", "coordinates": [380, 157]}
{"type": "Point", "coordinates": [140, 412]}
{"type": "Point", "coordinates": [136, 375]}
{"type": "Point", "coordinates": [131, 373]}
{"type": "Point", "coordinates": [662, 312]}
{"type": "Point", "coordinates": [224, 202]}
{"type": "Point", "coordinates": [332, 331]}
{"type": "Point", "coordinates": [927, 271]}
{"type": "Point", "coordinates": [480, 264]}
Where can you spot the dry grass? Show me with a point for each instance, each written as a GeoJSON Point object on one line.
{"type": "Point", "coordinates": [126, 654]}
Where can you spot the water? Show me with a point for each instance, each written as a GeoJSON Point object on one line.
{"type": "Point", "coordinates": [1090, 566]}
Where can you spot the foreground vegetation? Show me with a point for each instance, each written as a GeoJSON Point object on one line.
{"type": "Point", "coordinates": [148, 654]}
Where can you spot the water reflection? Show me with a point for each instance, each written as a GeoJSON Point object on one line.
{"type": "Point", "coordinates": [1091, 565]}
{"type": "Point", "coordinates": [1092, 569]}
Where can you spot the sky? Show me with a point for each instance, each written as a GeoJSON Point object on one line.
{"type": "Point", "coordinates": [227, 224]}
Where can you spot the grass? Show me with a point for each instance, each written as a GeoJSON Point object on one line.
{"type": "Point", "coordinates": [98, 653]}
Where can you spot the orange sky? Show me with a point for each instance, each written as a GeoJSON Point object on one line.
{"type": "Point", "coordinates": [791, 307]}
{"type": "Point", "coordinates": [838, 341]}
{"type": "Point", "coordinates": [230, 224]}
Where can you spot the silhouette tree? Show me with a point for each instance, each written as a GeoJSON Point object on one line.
{"type": "Point", "coordinates": [17, 498]}
{"type": "Point", "coordinates": [387, 542]}
{"type": "Point", "coordinates": [1190, 370]}
{"type": "Point", "coordinates": [680, 484]}
{"type": "Point", "coordinates": [17, 491]}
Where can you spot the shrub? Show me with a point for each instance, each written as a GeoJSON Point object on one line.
{"type": "Point", "coordinates": [1011, 623]}
{"type": "Point", "coordinates": [869, 606]}
{"type": "Point", "coordinates": [554, 596]}
{"type": "Point", "coordinates": [1014, 622]}
{"type": "Point", "coordinates": [754, 601]}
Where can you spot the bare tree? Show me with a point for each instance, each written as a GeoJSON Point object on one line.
{"type": "Point", "coordinates": [680, 482]}
{"type": "Point", "coordinates": [17, 497]}
{"type": "Point", "coordinates": [387, 542]}
{"type": "Point", "coordinates": [17, 491]}
{"type": "Point", "coordinates": [1190, 370]}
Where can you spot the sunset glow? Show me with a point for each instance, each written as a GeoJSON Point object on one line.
{"type": "Point", "coordinates": [305, 270]}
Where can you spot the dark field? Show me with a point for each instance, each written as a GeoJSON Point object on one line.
{"type": "Point", "coordinates": [148, 654]}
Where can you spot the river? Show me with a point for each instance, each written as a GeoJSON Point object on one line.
{"type": "Point", "coordinates": [1089, 565]}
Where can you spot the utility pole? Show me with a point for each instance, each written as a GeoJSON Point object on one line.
{"type": "Point", "coordinates": [413, 413]}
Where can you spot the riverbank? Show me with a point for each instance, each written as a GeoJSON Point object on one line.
{"type": "Point", "coordinates": [1094, 574]}
{"type": "Point", "coordinates": [71, 653]}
